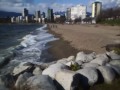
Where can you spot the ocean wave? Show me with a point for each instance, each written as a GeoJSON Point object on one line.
{"type": "Point", "coordinates": [32, 46]}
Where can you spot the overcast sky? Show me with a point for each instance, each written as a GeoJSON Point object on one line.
{"type": "Point", "coordinates": [57, 5]}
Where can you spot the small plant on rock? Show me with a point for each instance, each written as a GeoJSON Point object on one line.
{"type": "Point", "coordinates": [74, 67]}
{"type": "Point", "coordinates": [117, 51]}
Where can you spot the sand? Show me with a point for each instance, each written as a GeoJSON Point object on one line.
{"type": "Point", "coordinates": [87, 37]}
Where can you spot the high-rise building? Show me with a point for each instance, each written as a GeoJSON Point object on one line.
{"type": "Point", "coordinates": [25, 12]}
{"type": "Point", "coordinates": [50, 15]}
{"type": "Point", "coordinates": [37, 15]}
{"type": "Point", "coordinates": [43, 14]}
{"type": "Point", "coordinates": [68, 14]}
{"type": "Point", "coordinates": [96, 9]}
{"type": "Point", "coordinates": [78, 11]}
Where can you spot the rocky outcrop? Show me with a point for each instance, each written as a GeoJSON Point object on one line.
{"type": "Point", "coordinates": [37, 71]}
{"type": "Point", "coordinates": [68, 80]}
{"type": "Point", "coordinates": [107, 73]}
{"type": "Point", "coordinates": [21, 80]}
{"type": "Point", "coordinates": [42, 82]}
{"type": "Point", "coordinates": [53, 69]}
{"type": "Point", "coordinates": [81, 56]}
{"type": "Point", "coordinates": [21, 68]}
{"type": "Point", "coordinates": [89, 76]}
{"type": "Point", "coordinates": [101, 59]}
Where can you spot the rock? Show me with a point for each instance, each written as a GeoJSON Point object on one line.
{"type": "Point", "coordinates": [94, 65]}
{"type": "Point", "coordinates": [81, 56]}
{"type": "Point", "coordinates": [101, 59]}
{"type": "Point", "coordinates": [20, 68]}
{"type": "Point", "coordinates": [68, 80]}
{"type": "Point", "coordinates": [115, 62]}
{"type": "Point", "coordinates": [79, 62]}
{"type": "Point", "coordinates": [107, 73]}
{"type": "Point", "coordinates": [71, 58]}
{"type": "Point", "coordinates": [9, 67]}
{"type": "Point", "coordinates": [3, 87]}
{"type": "Point", "coordinates": [37, 71]}
{"type": "Point", "coordinates": [113, 55]}
{"type": "Point", "coordinates": [115, 68]}
{"type": "Point", "coordinates": [63, 61]}
{"type": "Point", "coordinates": [53, 69]}
{"type": "Point", "coordinates": [71, 63]}
{"type": "Point", "coordinates": [7, 80]}
{"type": "Point", "coordinates": [21, 80]}
{"type": "Point", "coordinates": [41, 82]}
{"type": "Point", "coordinates": [89, 76]}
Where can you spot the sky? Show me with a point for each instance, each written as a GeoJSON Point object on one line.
{"type": "Point", "coordinates": [57, 5]}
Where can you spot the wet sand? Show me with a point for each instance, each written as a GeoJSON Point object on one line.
{"type": "Point", "coordinates": [85, 37]}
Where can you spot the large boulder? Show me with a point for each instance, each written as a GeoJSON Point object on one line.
{"type": "Point", "coordinates": [81, 56]}
{"type": "Point", "coordinates": [113, 55]}
{"type": "Point", "coordinates": [21, 80]}
{"type": "Point", "coordinates": [63, 61]}
{"type": "Point", "coordinates": [107, 73]}
{"type": "Point", "coordinates": [94, 65]}
{"type": "Point", "coordinates": [53, 69]}
{"type": "Point", "coordinates": [37, 71]}
{"type": "Point", "coordinates": [101, 59]}
{"type": "Point", "coordinates": [42, 82]}
{"type": "Point", "coordinates": [115, 62]}
{"type": "Point", "coordinates": [115, 68]}
{"type": "Point", "coordinates": [68, 80]}
{"type": "Point", "coordinates": [71, 63]}
{"type": "Point", "coordinates": [89, 76]}
{"type": "Point", "coordinates": [71, 58]}
{"type": "Point", "coordinates": [79, 62]}
{"type": "Point", "coordinates": [24, 66]}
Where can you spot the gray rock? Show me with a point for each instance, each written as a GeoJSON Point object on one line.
{"type": "Point", "coordinates": [68, 80]}
{"type": "Point", "coordinates": [113, 55]}
{"type": "Point", "coordinates": [101, 59]}
{"type": "Point", "coordinates": [71, 58]}
{"type": "Point", "coordinates": [63, 61]}
{"type": "Point", "coordinates": [115, 62]}
{"type": "Point", "coordinates": [21, 80]}
{"type": "Point", "coordinates": [115, 68]}
{"type": "Point", "coordinates": [42, 82]}
{"type": "Point", "coordinates": [21, 67]}
{"type": "Point", "coordinates": [37, 71]}
{"type": "Point", "coordinates": [71, 63]}
{"type": "Point", "coordinates": [89, 76]}
{"type": "Point", "coordinates": [79, 62]}
{"type": "Point", "coordinates": [107, 73]}
{"type": "Point", "coordinates": [3, 87]}
{"type": "Point", "coordinates": [81, 56]}
{"type": "Point", "coordinates": [53, 69]}
{"type": "Point", "coordinates": [94, 65]}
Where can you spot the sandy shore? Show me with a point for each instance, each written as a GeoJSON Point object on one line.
{"type": "Point", "coordinates": [87, 37]}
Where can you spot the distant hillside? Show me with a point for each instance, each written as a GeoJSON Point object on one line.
{"type": "Point", "coordinates": [10, 14]}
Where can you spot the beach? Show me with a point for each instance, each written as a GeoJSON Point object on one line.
{"type": "Point", "coordinates": [87, 38]}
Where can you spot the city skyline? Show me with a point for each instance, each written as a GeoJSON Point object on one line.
{"type": "Point", "coordinates": [57, 5]}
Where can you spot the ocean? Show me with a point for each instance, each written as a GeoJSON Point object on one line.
{"type": "Point", "coordinates": [25, 43]}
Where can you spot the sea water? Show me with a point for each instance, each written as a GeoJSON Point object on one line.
{"type": "Point", "coordinates": [27, 42]}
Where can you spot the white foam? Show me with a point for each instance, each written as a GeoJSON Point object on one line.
{"type": "Point", "coordinates": [34, 45]}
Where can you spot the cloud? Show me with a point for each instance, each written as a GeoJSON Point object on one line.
{"type": "Point", "coordinates": [19, 5]}
{"type": "Point", "coordinates": [108, 3]}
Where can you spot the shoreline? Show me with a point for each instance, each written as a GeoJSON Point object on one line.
{"type": "Point", "coordinates": [62, 48]}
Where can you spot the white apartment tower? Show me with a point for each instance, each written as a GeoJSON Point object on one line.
{"type": "Point", "coordinates": [96, 9]}
{"type": "Point", "coordinates": [78, 11]}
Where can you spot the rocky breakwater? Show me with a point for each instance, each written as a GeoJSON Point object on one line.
{"type": "Point", "coordinates": [72, 73]}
